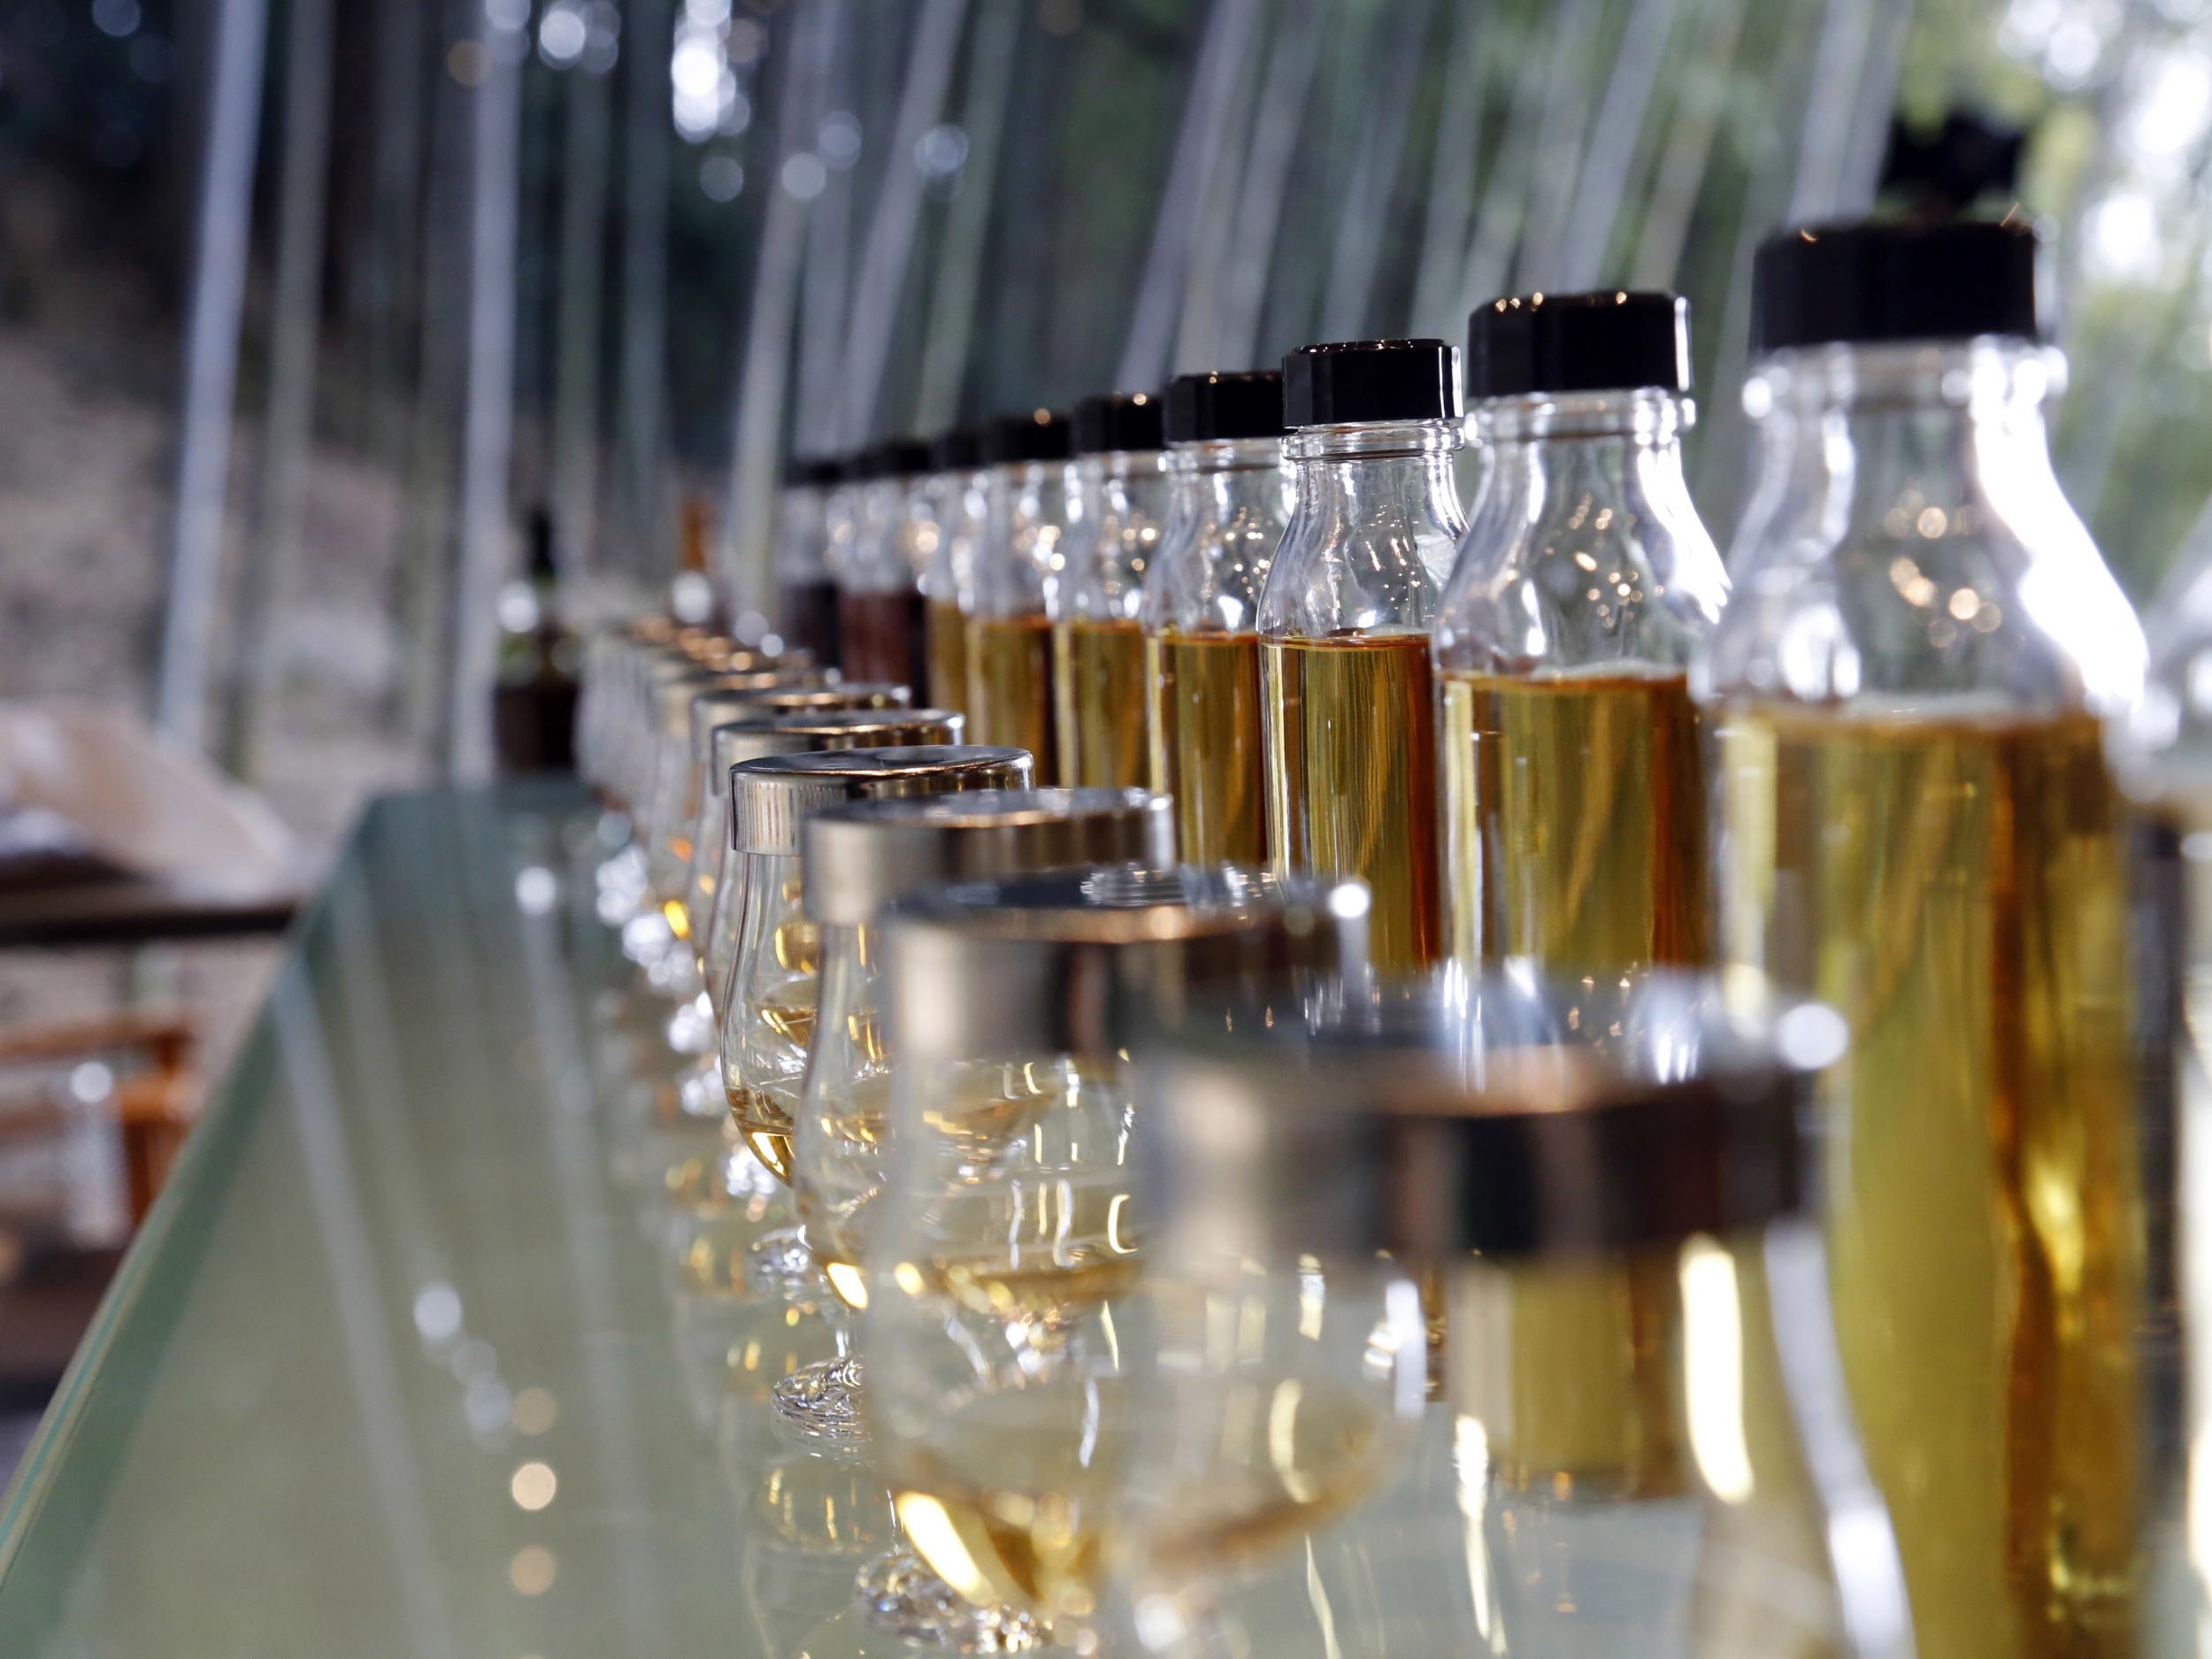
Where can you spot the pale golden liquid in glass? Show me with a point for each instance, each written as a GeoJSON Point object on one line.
{"type": "Point", "coordinates": [764, 1116]}
{"type": "Point", "coordinates": [1351, 781]}
{"type": "Point", "coordinates": [1207, 743]}
{"type": "Point", "coordinates": [1098, 687]}
{"type": "Point", "coordinates": [1574, 821]}
{"type": "Point", "coordinates": [1008, 1499]}
{"type": "Point", "coordinates": [1956, 888]}
{"type": "Point", "coordinates": [1010, 686]}
{"type": "Point", "coordinates": [947, 631]}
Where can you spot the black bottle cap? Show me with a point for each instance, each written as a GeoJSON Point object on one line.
{"type": "Point", "coordinates": [1605, 341]}
{"type": "Point", "coordinates": [1823, 284]}
{"type": "Point", "coordinates": [1371, 380]}
{"type": "Point", "coordinates": [898, 457]}
{"type": "Point", "coordinates": [960, 449]}
{"type": "Point", "coordinates": [812, 472]}
{"type": "Point", "coordinates": [1040, 434]}
{"type": "Point", "coordinates": [1117, 420]}
{"type": "Point", "coordinates": [1207, 407]}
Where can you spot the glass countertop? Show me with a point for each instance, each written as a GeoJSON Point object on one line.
{"type": "Point", "coordinates": [394, 1367]}
{"type": "Point", "coordinates": [415, 1357]}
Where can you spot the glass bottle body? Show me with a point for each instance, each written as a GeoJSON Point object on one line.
{"type": "Point", "coordinates": [1010, 633]}
{"type": "Point", "coordinates": [883, 630]}
{"type": "Point", "coordinates": [1230, 503]}
{"type": "Point", "coordinates": [768, 1008]}
{"type": "Point", "coordinates": [1350, 721]}
{"type": "Point", "coordinates": [1575, 794]}
{"type": "Point", "coordinates": [957, 505]}
{"type": "Point", "coordinates": [1118, 508]}
{"type": "Point", "coordinates": [806, 592]}
{"type": "Point", "coordinates": [1918, 827]}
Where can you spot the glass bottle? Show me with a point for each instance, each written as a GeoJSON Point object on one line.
{"type": "Point", "coordinates": [1344, 629]}
{"type": "Point", "coordinates": [1574, 777]}
{"type": "Point", "coordinates": [1009, 636]}
{"type": "Point", "coordinates": [1000, 1330]}
{"type": "Point", "coordinates": [769, 1003]}
{"type": "Point", "coordinates": [806, 593]}
{"type": "Point", "coordinates": [857, 860]}
{"type": "Point", "coordinates": [1229, 506]}
{"type": "Point", "coordinates": [2164, 756]}
{"type": "Point", "coordinates": [880, 623]}
{"type": "Point", "coordinates": [1918, 827]}
{"type": "Point", "coordinates": [1118, 506]}
{"type": "Point", "coordinates": [957, 500]}
{"type": "Point", "coordinates": [1520, 1136]}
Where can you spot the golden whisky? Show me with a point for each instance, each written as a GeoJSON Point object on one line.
{"type": "Point", "coordinates": [1207, 743]}
{"type": "Point", "coordinates": [1574, 820]}
{"type": "Point", "coordinates": [1351, 781]}
{"type": "Point", "coordinates": [1098, 692]}
{"type": "Point", "coordinates": [1956, 887]}
{"type": "Point", "coordinates": [1010, 686]}
{"type": "Point", "coordinates": [947, 631]}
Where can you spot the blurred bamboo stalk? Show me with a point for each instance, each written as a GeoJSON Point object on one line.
{"type": "Point", "coordinates": [1679, 175]}
{"type": "Point", "coordinates": [582, 301]}
{"type": "Point", "coordinates": [1348, 300]}
{"type": "Point", "coordinates": [889, 247]}
{"type": "Point", "coordinates": [1200, 140]}
{"type": "Point", "coordinates": [764, 377]}
{"type": "Point", "coordinates": [1561, 139]}
{"type": "Point", "coordinates": [1594, 212]}
{"type": "Point", "coordinates": [1452, 172]}
{"type": "Point", "coordinates": [488, 428]}
{"type": "Point", "coordinates": [225, 222]}
{"type": "Point", "coordinates": [1213, 230]}
{"type": "Point", "coordinates": [1499, 215]}
{"type": "Point", "coordinates": [649, 124]}
{"type": "Point", "coordinates": [1276, 132]}
{"type": "Point", "coordinates": [959, 273]}
{"type": "Point", "coordinates": [287, 425]}
{"type": "Point", "coordinates": [827, 256]}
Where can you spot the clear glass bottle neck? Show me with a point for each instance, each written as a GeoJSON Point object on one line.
{"type": "Point", "coordinates": [1376, 470]}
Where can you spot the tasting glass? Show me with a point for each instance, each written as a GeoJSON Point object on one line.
{"type": "Point", "coordinates": [768, 1007]}
{"type": "Point", "coordinates": [1682, 1477]}
{"type": "Point", "coordinates": [707, 841]}
{"type": "Point", "coordinates": [1003, 1326]}
{"type": "Point", "coordinates": [858, 859]}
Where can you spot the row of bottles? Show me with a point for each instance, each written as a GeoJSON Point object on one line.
{"type": "Point", "coordinates": [1864, 757]}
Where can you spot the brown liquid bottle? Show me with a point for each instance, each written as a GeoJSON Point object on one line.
{"type": "Point", "coordinates": [881, 628]}
{"type": "Point", "coordinates": [1344, 627]}
{"type": "Point", "coordinates": [1010, 634]}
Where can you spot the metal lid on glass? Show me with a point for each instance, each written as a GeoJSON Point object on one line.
{"type": "Point", "coordinates": [795, 731]}
{"type": "Point", "coordinates": [1506, 1115]}
{"type": "Point", "coordinates": [771, 797]}
{"type": "Point", "coordinates": [860, 858]}
{"type": "Point", "coordinates": [1086, 963]}
{"type": "Point", "coordinates": [720, 705]}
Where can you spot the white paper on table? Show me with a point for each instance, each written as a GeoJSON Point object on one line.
{"type": "Point", "coordinates": [136, 800]}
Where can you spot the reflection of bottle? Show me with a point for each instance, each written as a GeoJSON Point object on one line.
{"type": "Point", "coordinates": [806, 594]}
{"type": "Point", "coordinates": [1574, 778]}
{"type": "Point", "coordinates": [1010, 639]}
{"type": "Point", "coordinates": [956, 496]}
{"type": "Point", "coordinates": [1920, 828]}
{"type": "Point", "coordinates": [880, 624]}
{"type": "Point", "coordinates": [1118, 505]}
{"type": "Point", "coordinates": [1344, 621]}
{"type": "Point", "coordinates": [533, 704]}
{"type": "Point", "coordinates": [1230, 500]}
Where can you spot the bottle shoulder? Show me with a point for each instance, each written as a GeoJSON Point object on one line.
{"type": "Point", "coordinates": [1579, 585]}
{"type": "Point", "coordinates": [2005, 600]}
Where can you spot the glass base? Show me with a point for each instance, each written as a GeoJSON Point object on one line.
{"type": "Point", "coordinates": [898, 1593]}
{"type": "Point", "coordinates": [822, 1400]}
{"type": "Point", "coordinates": [778, 1264]}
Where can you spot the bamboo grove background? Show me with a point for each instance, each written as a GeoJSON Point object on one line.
{"type": "Point", "coordinates": [383, 279]}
